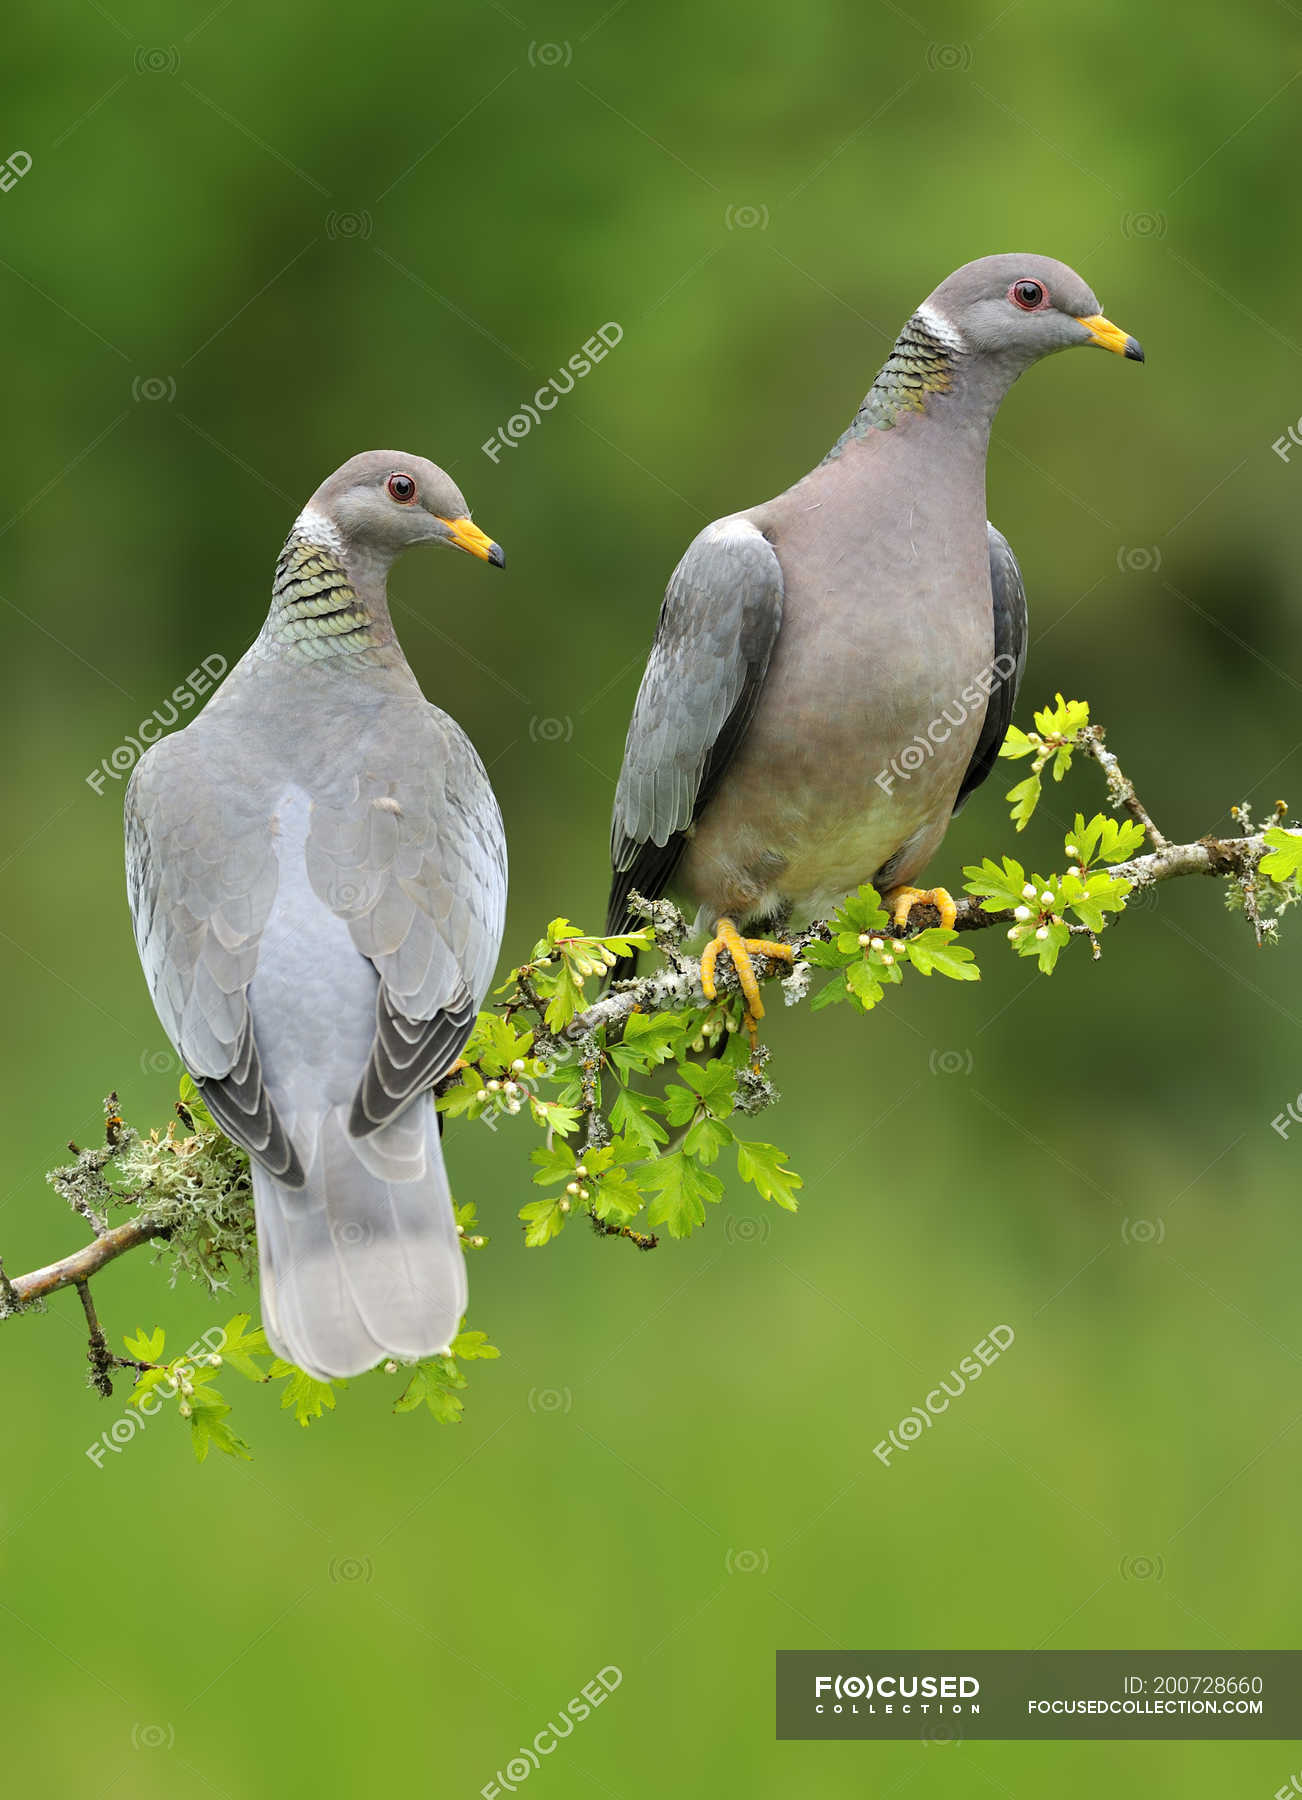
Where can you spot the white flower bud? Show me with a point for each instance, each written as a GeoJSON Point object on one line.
{"type": "Point", "coordinates": [482, 1095]}
{"type": "Point", "coordinates": [581, 1169]}
{"type": "Point", "coordinates": [519, 1065]}
{"type": "Point", "coordinates": [494, 1087]}
{"type": "Point", "coordinates": [1013, 933]}
{"type": "Point", "coordinates": [584, 1194]}
{"type": "Point", "coordinates": [1028, 892]}
{"type": "Point", "coordinates": [511, 1088]}
{"type": "Point", "coordinates": [478, 1242]}
{"type": "Point", "coordinates": [887, 960]}
{"type": "Point", "coordinates": [1046, 898]}
{"type": "Point", "coordinates": [1073, 869]}
{"type": "Point", "coordinates": [565, 1205]}
{"type": "Point", "coordinates": [571, 1187]}
{"type": "Point", "coordinates": [1042, 933]}
{"type": "Point", "coordinates": [878, 943]}
{"type": "Point", "coordinates": [391, 1367]}
{"type": "Point", "coordinates": [1021, 912]}
{"type": "Point", "coordinates": [186, 1409]}
{"type": "Point", "coordinates": [1073, 850]}
{"type": "Point", "coordinates": [865, 938]}
{"type": "Point", "coordinates": [513, 1106]}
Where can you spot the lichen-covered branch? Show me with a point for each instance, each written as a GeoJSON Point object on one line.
{"type": "Point", "coordinates": [681, 985]}
{"type": "Point", "coordinates": [76, 1270]}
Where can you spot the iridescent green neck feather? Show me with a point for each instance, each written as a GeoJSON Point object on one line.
{"type": "Point", "coordinates": [922, 365]}
{"type": "Point", "coordinates": [316, 611]}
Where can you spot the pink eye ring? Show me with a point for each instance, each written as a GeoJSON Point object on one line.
{"type": "Point", "coordinates": [1029, 295]}
{"type": "Point", "coordinates": [402, 488]}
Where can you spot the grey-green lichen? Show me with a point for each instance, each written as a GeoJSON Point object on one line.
{"type": "Point", "coordinates": [190, 1180]}
{"type": "Point", "coordinates": [194, 1181]}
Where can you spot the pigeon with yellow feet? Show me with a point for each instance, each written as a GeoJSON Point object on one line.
{"type": "Point", "coordinates": [834, 670]}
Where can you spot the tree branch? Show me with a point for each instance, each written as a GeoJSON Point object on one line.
{"type": "Point", "coordinates": [672, 988]}
{"type": "Point", "coordinates": [75, 1270]}
{"type": "Point", "coordinates": [680, 985]}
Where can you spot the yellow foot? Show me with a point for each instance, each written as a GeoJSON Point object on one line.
{"type": "Point", "coordinates": [740, 949]}
{"type": "Point", "coordinates": [904, 899]}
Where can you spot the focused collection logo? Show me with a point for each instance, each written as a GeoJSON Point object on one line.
{"type": "Point", "coordinates": [889, 1694]}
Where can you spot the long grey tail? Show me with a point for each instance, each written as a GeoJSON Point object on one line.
{"type": "Point", "coordinates": [363, 1262]}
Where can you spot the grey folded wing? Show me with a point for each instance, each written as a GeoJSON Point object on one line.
{"type": "Point", "coordinates": [719, 622]}
{"type": "Point", "coordinates": [201, 878]}
{"type": "Point", "coordinates": [413, 858]}
{"type": "Point", "coordinates": [1010, 620]}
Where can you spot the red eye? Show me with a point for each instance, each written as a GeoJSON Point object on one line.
{"type": "Point", "coordinates": [1027, 294]}
{"type": "Point", "coordinates": [403, 489]}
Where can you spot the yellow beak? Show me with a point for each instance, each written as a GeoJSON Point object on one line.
{"type": "Point", "coordinates": [1112, 337]}
{"type": "Point", "coordinates": [467, 536]}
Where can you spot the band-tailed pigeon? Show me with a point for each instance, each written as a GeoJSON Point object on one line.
{"type": "Point", "coordinates": [317, 875]}
{"type": "Point", "coordinates": [834, 670]}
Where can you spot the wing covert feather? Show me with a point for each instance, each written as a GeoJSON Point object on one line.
{"type": "Point", "coordinates": [718, 624]}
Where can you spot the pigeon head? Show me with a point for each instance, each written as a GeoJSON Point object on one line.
{"type": "Point", "coordinates": [1020, 308]}
{"type": "Point", "coordinates": [383, 501]}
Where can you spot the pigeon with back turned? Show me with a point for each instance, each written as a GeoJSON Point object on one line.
{"type": "Point", "coordinates": [316, 868]}
{"type": "Point", "coordinates": [834, 670]}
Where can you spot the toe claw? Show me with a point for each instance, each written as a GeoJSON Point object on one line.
{"type": "Point", "coordinates": [904, 899]}
{"type": "Point", "coordinates": [740, 949]}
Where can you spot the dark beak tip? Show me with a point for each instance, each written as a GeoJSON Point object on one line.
{"type": "Point", "coordinates": [1134, 350]}
{"type": "Point", "coordinates": [497, 556]}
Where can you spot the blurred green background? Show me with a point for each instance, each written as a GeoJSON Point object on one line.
{"type": "Point", "coordinates": [254, 241]}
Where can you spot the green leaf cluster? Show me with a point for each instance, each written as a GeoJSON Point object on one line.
{"type": "Point", "coordinates": [499, 1075]}
{"type": "Point", "coordinates": [191, 1380]}
{"type": "Point", "coordinates": [437, 1383]}
{"type": "Point", "coordinates": [1045, 906]}
{"type": "Point", "coordinates": [562, 962]}
{"type": "Point", "coordinates": [663, 1146]}
{"type": "Point", "coordinates": [1054, 740]}
{"type": "Point", "coordinates": [1283, 862]}
{"type": "Point", "coordinates": [867, 960]}
{"type": "Point", "coordinates": [1277, 884]}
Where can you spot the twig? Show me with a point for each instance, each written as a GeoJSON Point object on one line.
{"type": "Point", "coordinates": [645, 1240]}
{"type": "Point", "coordinates": [1121, 789]}
{"type": "Point", "coordinates": [10, 1302]}
{"type": "Point", "coordinates": [99, 1356]}
{"type": "Point", "coordinates": [665, 991]}
{"type": "Point", "coordinates": [1242, 816]}
{"type": "Point", "coordinates": [590, 1059]}
{"type": "Point", "coordinates": [76, 1269]}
